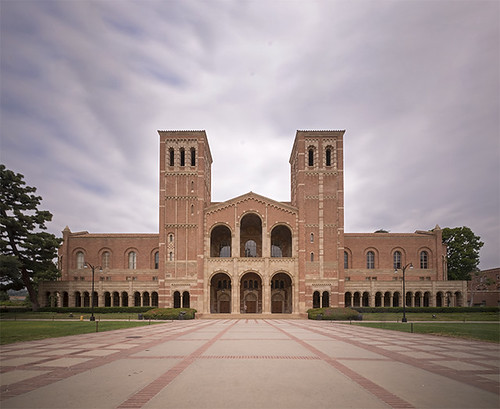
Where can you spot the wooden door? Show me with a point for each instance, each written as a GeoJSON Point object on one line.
{"type": "Point", "coordinates": [252, 306]}
{"type": "Point", "coordinates": [224, 307]}
{"type": "Point", "coordinates": [277, 307]}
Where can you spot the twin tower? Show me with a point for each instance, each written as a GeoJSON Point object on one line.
{"type": "Point", "coordinates": [251, 253]}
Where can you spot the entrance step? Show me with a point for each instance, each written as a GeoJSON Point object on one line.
{"type": "Point", "coordinates": [250, 316]}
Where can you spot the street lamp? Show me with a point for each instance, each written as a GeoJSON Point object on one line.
{"type": "Point", "coordinates": [92, 318]}
{"type": "Point", "coordinates": [404, 289]}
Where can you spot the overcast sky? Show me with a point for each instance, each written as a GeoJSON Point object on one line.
{"type": "Point", "coordinates": [85, 85]}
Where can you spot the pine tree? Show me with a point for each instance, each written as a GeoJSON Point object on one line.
{"type": "Point", "coordinates": [27, 253]}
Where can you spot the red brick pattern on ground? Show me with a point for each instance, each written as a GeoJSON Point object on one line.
{"type": "Point", "coordinates": [417, 343]}
{"type": "Point", "coordinates": [47, 362]}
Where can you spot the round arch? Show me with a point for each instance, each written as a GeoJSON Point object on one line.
{"type": "Point", "coordinates": [281, 241]}
{"type": "Point", "coordinates": [220, 293]}
{"type": "Point", "coordinates": [251, 292]}
{"type": "Point", "coordinates": [220, 241]}
{"type": "Point", "coordinates": [251, 235]}
{"type": "Point", "coordinates": [281, 293]}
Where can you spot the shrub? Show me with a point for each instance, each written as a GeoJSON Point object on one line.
{"type": "Point", "coordinates": [97, 310]}
{"type": "Point", "coordinates": [334, 314]}
{"type": "Point", "coordinates": [170, 314]}
{"type": "Point", "coordinates": [431, 310]}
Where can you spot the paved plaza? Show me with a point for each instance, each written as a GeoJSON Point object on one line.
{"type": "Point", "coordinates": [250, 363]}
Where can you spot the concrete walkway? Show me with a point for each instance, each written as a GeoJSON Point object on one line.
{"type": "Point", "coordinates": [247, 363]}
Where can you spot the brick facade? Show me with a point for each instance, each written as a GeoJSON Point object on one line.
{"type": "Point", "coordinates": [251, 253]}
{"type": "Point", "coordinates": [484, 288]}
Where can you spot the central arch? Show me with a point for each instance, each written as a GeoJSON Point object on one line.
{"type": "Point", "coordinates": [251, 236]}
{"type": "Point", "coordinates": [220, 294]}
{"type": "Point", "coordinates": [251, 293]}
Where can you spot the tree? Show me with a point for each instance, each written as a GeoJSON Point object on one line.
{"type": "Point", "coordinates": [26, 253]}
{"type": "Point", "coordinates": [462, 252]}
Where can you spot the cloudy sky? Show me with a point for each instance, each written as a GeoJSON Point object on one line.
{"type": "Point", "coordinates": [85, 85]}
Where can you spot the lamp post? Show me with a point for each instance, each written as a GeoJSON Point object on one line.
{"type": "Point", "coordinates": [404, 289]}
{"type": "Point", "coordinates": [92, 318]}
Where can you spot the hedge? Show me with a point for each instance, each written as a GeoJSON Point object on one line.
{"type": "Point", "coordinates": [97, 310]}
{"type": "Point", "coordinates": [170, 314]}
{"type": "Point", "coordinates": [334, 314]}
{"type": "Point", "coordinates": [432, 310]}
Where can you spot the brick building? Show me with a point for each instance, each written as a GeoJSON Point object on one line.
{"type": "Point", "coordinates": [484, 288]}
{"type": "Point", "coordinates": [252, 254]}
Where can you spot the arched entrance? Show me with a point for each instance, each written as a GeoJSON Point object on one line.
{"type": "Point", "coordinates": [251, 293]}
{"type": "Point", "coordinates": [220, 293]}
{"type": "Point", "coordinates": [281, 294]}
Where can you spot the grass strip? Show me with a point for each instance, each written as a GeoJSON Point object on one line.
{"type": "Point", "coordinates": [17, 331]}
{"type": "Point", "coordinates": [425, 316]}
{"type": "Point", "coordinates": [478, 331]}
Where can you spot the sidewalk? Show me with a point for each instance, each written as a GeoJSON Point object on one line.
{"type": "Point", "coordinates": [250, 363]}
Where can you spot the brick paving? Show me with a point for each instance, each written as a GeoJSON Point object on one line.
{"type": "Point", "coordinates": [250, 363]}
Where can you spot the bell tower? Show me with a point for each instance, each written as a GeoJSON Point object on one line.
{"type": "Point", "coordinates": [185, 190]}
{"type": "Point", "coordinates": [317, 190]}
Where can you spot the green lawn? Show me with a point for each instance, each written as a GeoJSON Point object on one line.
{"type": "Point", "coordinates": [16, 331]}
{"type": "Point", "coordinates": [425, 316]}
{"type": "Point", "coordinates": [29, 315]}
{"type": "Point", "coordinates": [480, 331]}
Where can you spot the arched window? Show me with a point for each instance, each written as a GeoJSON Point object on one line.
{"type": "Point", "coordinates": [328, 157]}
{"type": "Point", "coordinates": [250, 249]}
{"type": "Point", "coordinates": [193, 157]}
{"type": "Point", "coordinates": [424, 259]}
{"type": "Point", "coordinates": [132, 260]}
{"type": "Point", "coordinates": [171, 238]}
{"type": "Point", "coordinates": [310, 157]}
{"type": "Point", "coordinates": [157, 260]}
{"type": "Point", "coordinates": [220, 242]}
{"type": "Point", "coordinates": [171, 157]}
{"type": "Point", "coordinates": [312, 256]}
{"type": "Point", "coordinates": [281, 242]}
{"type": "Point", "coordinates": [177, 299]}
{"type": "Point", "coordinates": [316, 299]}
{"type": "Point", "coordinates": [370, 260]}
{"type": "Point", "coordinates": [325, 300]}
{"type": "Point", "coordinates": [346, 260]}
{"type": "Point", "coordinates": [105, 259]}
{"type": "Point", "coordinates": [312, 238]}
{"type": "Point", "coordinates": [186, 300]}
{"type": "Point", "coordinates": [397, 260]}
{"type": "Point", "coordinates": [170, 256]}
{"type": "Point", "coordinates": [251, 236]}
{"type": "Point", "coordinates": [80, 260]}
